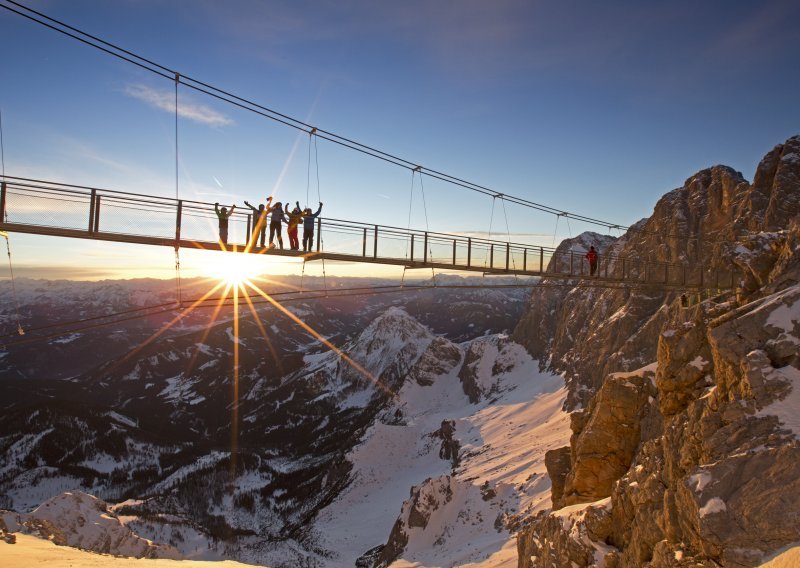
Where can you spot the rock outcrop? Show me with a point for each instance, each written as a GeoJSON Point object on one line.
{"type": "Point", "coordinates": [606, 436]}
{"type": "Point", "coordinates": [83, 521]}
{"type": "Point", "coordinates": [586, 333]}
{"type": "Point", "coordinates": [698, 457]}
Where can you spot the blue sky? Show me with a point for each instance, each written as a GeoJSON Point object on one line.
{"type": "Point", "coordinates": [593, 107]}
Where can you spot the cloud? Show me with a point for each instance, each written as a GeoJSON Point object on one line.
{"type": "Point", "coordinates": [165, 100]}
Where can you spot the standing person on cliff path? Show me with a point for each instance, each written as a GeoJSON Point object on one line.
{"type": "Point", "coordinates": [295, 217]}
{"type": "Point", "coordinates": [259, 221]}
{"type": "Point", "coordinates": [308, 227]}
{"type": "Point", "coordinates": [591, 256]}
{"type": "Point", "coordinates": [276, 219]}
{"type": "Point", "coordinates": [223, 217]}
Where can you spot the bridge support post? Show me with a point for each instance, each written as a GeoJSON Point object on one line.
{"type": "Point", "coordinates": [91, 210]}
{"type": "Point", "coordinates": [178, 216]}
{"type": "Point", "coordinates": [364, 243]}
{"type": "Point", "coordinates": [469, 251]}
{"type": "Point", "coordinates": [96, 214]}
{"type": "Point", "coordinates": [491, 255]}
{"type": "Point", "coordinates": [249, 233]}
{"type": "Point", "coordinates": [412, 248]}
{"type": "Point", "coordinates": [508, 255]}
{"type": "Point", "coordinates": [425, 248]}
{"type": "Point", "coordinates": [524, 260]}
{"type": "Point", "coordinates": [541, 260]}
{"type": "Point", "coordinates": [3, 202]}
{"type": "Point", "coordinates": [319, 233]}
{"type": "Point", "coordinates": [375, 243]}
{"type": "Point", "coordinates": [454, 252]}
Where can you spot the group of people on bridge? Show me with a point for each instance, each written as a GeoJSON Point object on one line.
{"type": "Point", "coordinates": [277, 215]}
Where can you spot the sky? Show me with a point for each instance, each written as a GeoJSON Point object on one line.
{"type": "Point", "coordinates": [597, 108]}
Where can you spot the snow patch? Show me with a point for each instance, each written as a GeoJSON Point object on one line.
{"type": "Point", "coordinates": [714, 505]}
{"type": "Point", "coordinates": [788, 409]}
{"type": "Point", "coordinates": [699, 480]}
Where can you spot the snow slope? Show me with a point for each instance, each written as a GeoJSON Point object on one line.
{"type": "Point", "coordinates": [32, 551]}
{"type": "Point", "coordinates": [501, 472]}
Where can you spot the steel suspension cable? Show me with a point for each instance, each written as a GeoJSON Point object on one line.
{"type": "Point", "coordinates": [2, 146]}
{"type": "Point", "coordinates": [223, 95]}
{"type": "Point", "coordinates": [408, 227]}
{"type": "Point", "coordinates": [319, 198]}
{"type": "Point", "coordinates": [508, 236]}
{"type": "Point", "coordinates": [20, 331]}
{"type": "Point", "coordinates": [177, 197]}
{"type": "Point", "coordinates": [427, 225]}
{"type": "Point", "coordinates": [555, 231]}
{"type": "Point", "coordinates": [491, 221]}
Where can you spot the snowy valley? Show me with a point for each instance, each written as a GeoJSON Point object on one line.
{"type": "Point", "coordinates": [576, 425]}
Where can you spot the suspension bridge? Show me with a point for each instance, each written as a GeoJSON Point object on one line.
{"type": "Point", "coordinates": [60, 210]}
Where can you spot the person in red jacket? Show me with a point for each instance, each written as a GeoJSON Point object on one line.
{"type": "Point", "coordinates": [591, 256]}
{"type": "Point", "coordinates": [295, 217]}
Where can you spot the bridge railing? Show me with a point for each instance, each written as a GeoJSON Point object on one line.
{"type": "Point", "coordinates": [100, 212]}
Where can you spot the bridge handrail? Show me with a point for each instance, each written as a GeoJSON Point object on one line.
{"type": "Point", "coordinates": [557, 262]}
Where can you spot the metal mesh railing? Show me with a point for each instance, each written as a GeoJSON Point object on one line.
{"type": "Point", "coordinates": [101, 213]}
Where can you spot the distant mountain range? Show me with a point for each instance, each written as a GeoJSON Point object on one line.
{"type": "Point", "coordinates": [576, 425]}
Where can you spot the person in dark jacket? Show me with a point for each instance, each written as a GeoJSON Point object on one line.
{"type": "Point", "coordinates": [295, 217]}
{"type": "Point", "coordinates": [223, 217]}
{"type": "Point", "coordinates": [259, 221]}
{"type": "Point", "coordinates": [277, 217]}
{"type": "Point", "coordinates": [591, 256]}
{"type": "Point", "coordinates": [308, 227]}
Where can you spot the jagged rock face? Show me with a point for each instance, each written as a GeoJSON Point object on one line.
{"type": "Point", "coordinates": [424, 500]}
{"type": "Point", "coordinates": [485, 359]}
{"type": "Point", "coordinates": [441, 356]}
{"type": "Point", "coordinates": [568, 538]}
{"type": "Point", "coordinates": [774, 199]}
{"type": "Point", "coordinates": [536, 329]}
{"type": "Point", "coordinates": [559, 464]}
{"type": "Point", "coordinates": [450, 445]}
{"type": "Point", "coordinates": [586, 333]}
{"type": "Point", "coordinates": [715, 478]}
{"type": "Point", "coordinates": [83, 521]}
{"type": "Point", "coordinates": [606, 436]}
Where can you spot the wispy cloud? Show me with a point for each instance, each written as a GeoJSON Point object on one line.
{"type": "Point", "coordinates": [165, 100]}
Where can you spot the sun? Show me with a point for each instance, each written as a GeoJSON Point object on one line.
{"type": "Point", "coordinates": [234, 268]}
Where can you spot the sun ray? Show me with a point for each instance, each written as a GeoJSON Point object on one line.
{"type": "Point", "coordinates": [207, 329]}
{"type": "Point", "coordinates": [364, 372]}
{"type": "Point", "coordinates": [263, 331]}
{"type": "Point", "coordinates": [168, 325]}
{"type": "Point", "coordinates": [235, 403]}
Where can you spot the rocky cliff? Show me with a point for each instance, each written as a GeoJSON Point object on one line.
{"type": "Point", "coordinates": [587, 332]}
{"type": "Point", "coordinates": [691, 459]}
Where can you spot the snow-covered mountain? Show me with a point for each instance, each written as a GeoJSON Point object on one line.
{"type": "Point", "coordinates": [151, 429]}
{"type": "Point", "coordinates": [613, 427]}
